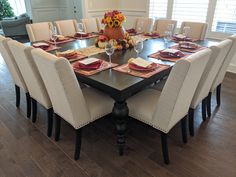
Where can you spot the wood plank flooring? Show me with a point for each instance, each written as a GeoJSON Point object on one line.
{"type": "Point", "coordinates": [25, 150]}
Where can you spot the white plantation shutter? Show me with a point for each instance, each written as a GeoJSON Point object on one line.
{"type": "Point", "coordinates": [190, 10]}
{"type": "Point", "coordinates": [158, 9]}
{"type": "Point", "coordinates": [18, 6]}
{"type": "Point", "coordinates": [225, 17]}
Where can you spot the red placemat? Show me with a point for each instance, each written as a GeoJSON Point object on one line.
{"type": "Point", "coordinates": [188, 50]}
{"type": "Point", "coordinates": [87, 37]}
{"type": "Point", "coordinates": [144, 74]}
{"type": "Point", "coordinates": [157, 56]}
{"type": "Point", "coordinates": [104, 66]}
{"type": "Point", "coordinates": [62, 42]}
{"type": "Point", "coordinates": [50, 48]}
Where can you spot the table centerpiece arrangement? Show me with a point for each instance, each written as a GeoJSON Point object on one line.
{"type": "Point", "coordinates": [114, 31]}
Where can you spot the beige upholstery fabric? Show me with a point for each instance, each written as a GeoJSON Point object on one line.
{"type": "Point", "coordinates": [39, 31]}
{"type": "Point", "coordinates": [30, 73]}
{"type": "Point", "coordinates": [67, 98]}
{"type": "Point", "coordinates": [91, 25]}
{"type": "Point", "coordinates": [67, 27]}
{"type": "Point", "coordinates": [11, 63]}
{"type": "Point", "coordinates": [172, 104]}
{"type": "Point", "coordinates": [161, 25]}
{"type": "Point", "coordinates": [223, 69]}
{"type": "Point", "coordinates": [219, 53]}
{"type": "Point", "coordinates": [145, 24]}
{"type": "Point", "coordinates": [197, 30]}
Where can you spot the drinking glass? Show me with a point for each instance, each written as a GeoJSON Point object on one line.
{"type": "Point", "coordinates": [138, 46]}
{"type": "Point", "coordinates": [186, 31]}
{"type": "Point", "coordinates": [81, 29]}
{"type": "Point", "coordinates": [140, 27]}
{"type": "Point", "coordinates": [167, 37]}
{"type": "Point", "coordinates": [109, 48]}
{"type": "Point", "coordinates": [53, 32]}
{"type": "Point", "coordinates": [170, 27]}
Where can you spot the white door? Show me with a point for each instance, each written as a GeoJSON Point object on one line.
{"type": "Point", "coordinates": [77, 9]}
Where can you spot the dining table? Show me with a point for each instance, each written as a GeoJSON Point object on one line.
{"type": "Point", "coordinates": [121, 86]}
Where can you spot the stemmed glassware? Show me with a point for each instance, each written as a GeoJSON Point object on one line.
{"type": "Point", "coordinates": [53, 32]}
{"type": "Point", "coordinates": [170, 28]}
{"type": "Point", "coordinates": [140, 27]}
{"type": "Point", "coordinates": [186, 31]}
{"type": "Point", "coordinates": [138, 46]}
{"type": "Point", "coordinates": [81, 29]}
{"type": "Point", "coordinates": [109, 48]}
{"type": "Point", "coordinates": [167, 37]}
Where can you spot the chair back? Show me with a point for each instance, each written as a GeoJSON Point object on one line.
{"type": "Point", "coordinates": [178, 91]}
{"type": "Point", "coordinates": [197, 30]}
{"type": "Point", "coordinates": [11, 63]}
{"type": "Point", "coordinates": [67, 27]}
{"type": "Point", "coordinates": [39, 31]}
{"type": "Point", "coordinates": [161, 25]}
{"type": "Point", "coordinates": [143, 24]}
{"type": "Point", "coordinates": [91, 25]}
{"type": "Point", "coordinates": [223, 69]}
{"type": "Point", "coordinates": [63, 88]}
{"type": "Point", "coordinates": [30, 73]}
{"type": "Point", "coordinates": [219, 53]}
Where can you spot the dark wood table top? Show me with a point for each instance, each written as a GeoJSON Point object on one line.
{"type": "Point", "coordinates": [119, 85]}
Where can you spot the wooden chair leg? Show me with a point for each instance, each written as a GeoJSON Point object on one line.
{"type": "Point", "coordinates": [209, 104]}
{"type": "Point", "coordinates": [184, 129]}
{"type": "Point", "coordinates": [78, 136]}
{"type": "Point", "coordinates": [28, 104]}
{"type": "Point", "coordinates": [204, 109]}
{"type": "Point", "coordinates": [218, 95]}
{"type": "Point", "coordinates": [17, 90]}
{"type": "Point", "coordinates": [165, 151]}
{"type": "Point", "coordinates": [57, 127]}
{"type": "Point", "coordinates": [191, 121]}
{"type": "Point", "coordinates": [50, 122]}
{"type": "Point", "coordinates": [34, 110]}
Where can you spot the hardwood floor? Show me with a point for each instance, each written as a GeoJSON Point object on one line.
{"type": "Point", "coordinates": [25, 149]}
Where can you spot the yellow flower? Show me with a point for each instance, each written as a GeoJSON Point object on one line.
{"type": "Point", "coordinates": [117, 23]}
{"type": "Point", "coordinates": [111, 24]}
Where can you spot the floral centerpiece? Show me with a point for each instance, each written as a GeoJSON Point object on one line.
{"type": "Point", "coordinates": [114, 31]}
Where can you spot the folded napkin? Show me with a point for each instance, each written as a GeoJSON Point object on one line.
{"type": "Point", "coordinates": [188, 45]}
{"type": "Point", "coordinates": [60, 38]}
{"type": "Point", "coordinates": [181, 37]}
{"type": "Point", "coordinates": [41, 45]}
{"type": "Point", "coordinates": [89, 63]}
{"type": "Point", "coordinates": [81, 34]}
{"type": "Point", "coordinates": [171, 53]}
{"type": "Point", "coordinates": [152, 34]}
{"type": "Point", "coordinates": [69, 54]}
{"type": "Point", "coordinates": [132, 30]}
{"type": "Point", "coordinates": [139, 62]}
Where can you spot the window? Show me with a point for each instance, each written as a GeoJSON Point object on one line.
{"type": "Point", "coordinates": [158, 9]}
{"type": "Point", "coordinates": [18, 6]}
{"type": "Point", "coordinates": [191, 10]}
{"type": "Point", "coordinates": [225, 17]}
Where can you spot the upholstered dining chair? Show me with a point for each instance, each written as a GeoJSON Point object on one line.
{"type": "Point", "coordinates": [91, 25]}
{"type": "Point", "coordinates": [161, 26]}
{"type": "Point", "coordinates": [219, 53]}
{"type": "Point", "coordinates": [220, 76]}
{"type": "Point", "coordinates": [67, 27]}
{"type": "Point", "coordinates": [163, 110]}
{"type": "Point", "coordinates": [143, 24]}
{"type": "Point", "coordinates": [197, 30]}
{"type": "Point", "coordinates": [33, 80]}
{"type": "Point", "coordinates": [15, 73]}
{"type": "Point", "coordinates": [77, 107]}
{"type": "Point", "coordinates": [39, 31]}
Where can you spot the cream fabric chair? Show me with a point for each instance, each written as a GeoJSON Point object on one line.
{"type": "Point", "coordinates": [39, 31]}
{"type": "Point", "coordinates": [219, 52]}
{"type": "Point", "coordinates": [163, 110]}
{"type": "Point", "coordinates": [161, 25]}
{"type": "Point", "coordinates": [67, 27]}
{"type": "Point", "coordinates": [220, 75]}
{"type": "Point", "coordinates": [15, 73]}
{"type": "Point", "coordinates": [143, 24]}
{"type": "Point", "coordinates": [91, 25]}
{"type": "Point", "coordinates": [33, 80]}
{"type": "Point", "coordinates": [197, 30]}
{"type": "Point", "coordinates": [77, 107]}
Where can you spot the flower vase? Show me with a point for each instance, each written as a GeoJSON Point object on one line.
{"type": "Point", "coordinates": [114, 33]}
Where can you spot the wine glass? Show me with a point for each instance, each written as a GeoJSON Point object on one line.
{"type": "Point", "coordinates": [53, 32]}
{"type": "Point", "coordinates": [109, 48]}
{"type": "Point", "coordinates": [167, 37]}
{"type": "Point", "coordinates": [81, 29]}
{"type": "Point", "coordinates": [140, 27]}
{"type": "Point", "coordinates": [170, 27]}
{"type": "Point", "coordinates": [138, 46]}
{"type": "Point", "coordinates": [186, 31]}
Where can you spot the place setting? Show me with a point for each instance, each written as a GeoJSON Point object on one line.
{"type": "Point", "coordinates": [45, 46]}
{"type": "Point", "coordinates": [80, 34]}
{"type": "Point", "coordinates": [71, 55]}
{"type": "Point", "coordinates": [189, 47]}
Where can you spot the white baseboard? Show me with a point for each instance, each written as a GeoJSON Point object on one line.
{"type": "Point", "coordinates": [232, 68]}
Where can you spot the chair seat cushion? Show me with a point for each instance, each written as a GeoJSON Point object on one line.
{"type": "Point", "coordinates": [99, 104]}
{"type": "Point", "coordinates": [143, 105]}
